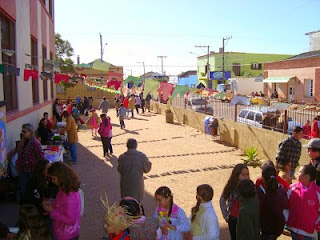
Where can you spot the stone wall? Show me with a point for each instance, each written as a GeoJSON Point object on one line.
{"type": "Point", "coordinates": [237, 134]}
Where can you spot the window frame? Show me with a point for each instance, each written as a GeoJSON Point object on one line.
{"type": "Point", "coordinates": [44, 81]}
{"type": "Point", "coordinates": [51, 80]}
{"type": "Point", "coordinates": [34, 63]}
{"type": "Point", "coordinates": [9, 80]}
{"type": "Point", "coordinates": [309, 92]}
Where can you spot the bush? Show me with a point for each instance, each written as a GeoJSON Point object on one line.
{"type": "Point", "coordinates": [252, 157]}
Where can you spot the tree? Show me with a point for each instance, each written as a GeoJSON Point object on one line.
{"type": "Point", "coordinates": [63, 53]}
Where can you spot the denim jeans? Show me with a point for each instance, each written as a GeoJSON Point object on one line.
{"type": "Point", "coordinates": [233, 227]}
{"type": "Point", "coordinates": [24, 178]}
{"type": "Point", "coordinates": [296, 236]}
{"type": "Point", "coordinates": [73, 151]}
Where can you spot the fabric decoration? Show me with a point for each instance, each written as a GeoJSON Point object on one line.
{"type": "Point", "coordinates": [114, 83]}
{"type": "Point", "coordinates": [2, 68]}
{"type": "Point", "coordinates": [101, 66]}
{"type": "Point", "coordinates": [181, 90]}
{"type": "Point", "coordinates": [60, 77]}
{"type": "Point", "coordinates": [47, 75]}
{"type": "Point", "coordinates": [134, 80]}
{"type": "Point", "coordinates": [13, 69]}
{"type": "Point", "coordinates": [165, 89]}
{"type": "Point", "coordinates": [152, 87]}
{"type": "Point", "coordinates": [30, 73]}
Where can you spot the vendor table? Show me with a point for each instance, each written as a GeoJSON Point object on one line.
{"type": "Point", "coordinates": [53, 153]}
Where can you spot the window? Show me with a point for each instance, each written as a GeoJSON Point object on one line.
{"type": "Point", "coordinates": [251, 116]}
{"type": "Point", "coordinates": [256, 66]}
{"type": "Point", "coordinates": [243, 113]}
{"type": "Point", "coordinates": [258, 118]}
{"type": "Point", "coordinates": [34, 63]}
{"type": "Point", "coordinates": [9, 80]}
{"type": "Point", "coordinates": [44, 2]}
{"type": "Point", "coordinates": [51, 81]}
{"type": "Point", "coordinates": [275, 87]}
{"type": "Point", "coordinates": [50, 8]}
{"type": "Point", "coordinates": [44, 81]}
{"type": "Point", "coordinates": [308, 87]}
{"type": "Point", "coordinates": [236, 69]}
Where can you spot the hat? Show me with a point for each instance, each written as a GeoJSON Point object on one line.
{"type": "Point", "coordinates": [313, 143]}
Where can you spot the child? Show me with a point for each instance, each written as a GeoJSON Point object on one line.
{"type": "Point", "coordinates": [65, 210]}
{"type": "Point", "coordinates": [131, 106]}
{"type": "Point", "coordinates": [49, 124]}
{"type": "Point", "coordinates": [93, 122]}
{"type": "Point", "coordinates": [273, 200]}
{"type": "Point", "coordinates": [204, 221]}
{"type": "Point", "coordinates": [122, 112]}
{"type": "Point", "coordinates": [31, 224]}
{"type": "Point", "coordinates": [117, 221]}
{"type": "Point", "coordinates": [307, 130]}
{"type": "Point", "coordinates": [117, 105]}
{"type": "Point", "coordinates": [172, 219]}
{"type": "Point", "coordinates": [229, 200]}
{"type": "Point", "coordinates": [137, 103]}
{"type": "Point", "coordinates": [284, 168]}
{"type": "Point", "coordinates": [248, 224]}
{"type": "Point", "coordinates": [105, 132]}
{"type": "Point", "coordinates": [304, 205]}
{"type": "Point", "coordinates": [144, 227]}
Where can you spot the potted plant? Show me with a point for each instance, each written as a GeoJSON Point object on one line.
{"type": "Point", "coordinates": [252, 157]}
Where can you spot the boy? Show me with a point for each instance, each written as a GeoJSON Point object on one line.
{"type": "Point", "coordinates": [49, 124]}
{"type": "Point", "coordinates": [122, 112]}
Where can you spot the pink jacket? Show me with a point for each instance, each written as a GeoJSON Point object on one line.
{"type": "Point", "coordinates": [304, 207]}
{"type": "Point", "coordinates": [104, 131]}
{"type": "Point", "coordinates": [66, 215]}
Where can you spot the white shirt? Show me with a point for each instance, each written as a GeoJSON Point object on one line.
{"type": "Point", "coordinates": [209, 223]}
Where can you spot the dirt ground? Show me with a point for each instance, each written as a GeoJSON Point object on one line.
{"type": "Point", "coordinates": [182, 158]}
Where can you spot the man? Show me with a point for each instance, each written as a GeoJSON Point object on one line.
{"type": "Point", "coordinates": [290, 149]}
{"type": "Point", "coordinates": [49, 124]}
{"type": "Point", "coordinates": [71, 129]}
{"type": "Point", "coordinates": [104, 106]}
{"type": "Point", "coordinates": [132, 165]}
{"type": "Point", "coordinates": [313, 150]}
{"type": "Point", "coordinates": [78, 99]}
{"type": "Point", "coordinates": [148, 99]}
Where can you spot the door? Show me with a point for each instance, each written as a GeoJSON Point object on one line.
{"type": "Point", "coordinates": [291, 93]}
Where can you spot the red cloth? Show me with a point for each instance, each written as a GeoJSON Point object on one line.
{"type": "Point", "coordinates": [49, 125]}
{"type": "Point", "coordinates": [126, 103]}
{"type": "Point", "coordinates": [315, 129]}
{"type": "Point", "coordinates": [119, 236]}
{"type": "Point", "coordinates": [30, 73]}
{"type": "Point", "coordinates": [306, 132]}
{"type": "Point", "coordinates": [280, 180]}
{"type": "Point", "coordinates": [166, 89]}
{"type": "Point", "coordinates": [60, 77]}
{"type": "Point", "coordinates": [114, 83]}
{"type": "Point", "coordinates": [235, 207]}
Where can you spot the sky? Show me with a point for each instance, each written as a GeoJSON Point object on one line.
{"type": "Point", "coordinates": [141, 30]}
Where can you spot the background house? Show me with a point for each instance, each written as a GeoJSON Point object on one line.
{"type": "Point", "coordinates": [27, 29]}
{"type": "Point", "coordinates": [188, 78]}
{"type": "Point", "coordinates": [154, 76]}
{"type": "Point", "coordinates": [236, 65]}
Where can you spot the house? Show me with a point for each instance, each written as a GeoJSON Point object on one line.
{"type": "Point", "coordinates": [154, 76]}
{"type": "Point", "coordinates": [236, 65]}
{"type": "Point", "coordinates": [188, 78]}
{"type": "Point", "coordinates": [27, 42]}
{"type": "Point", "coordinates": [296, 78]}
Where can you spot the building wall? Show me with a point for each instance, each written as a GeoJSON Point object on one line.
{"type": "Point", "coordinates": [31, 18]}
{"type": "Point", "coordinates": [237, 134]}
{"type": "Point", "coordinates": [315, 41]}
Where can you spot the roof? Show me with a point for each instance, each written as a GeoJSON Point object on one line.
{"type": "Point", "coordinates": [305, 55]}
{"type": "Point", "coordinates": [187, 73]}
{"type": "Point", "coordinates": [310, 33]}
{"type": "Point", "coordinates": [217, 53]}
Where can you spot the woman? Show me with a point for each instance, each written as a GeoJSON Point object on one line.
{"type": "Point", "coordinates": [57, 111]}
{"type": "Point", "coordinates": [29, 152]}
{"type": "Point", "coordinates": [44, 132]}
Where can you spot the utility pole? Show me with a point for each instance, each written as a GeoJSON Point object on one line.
{"type": "Point", "coordinates": [208, 65]}
{"type": "Point", "coordinates": [162, 57]}
{"type": "Point", "coordinates": [144, 69]}
{"type": "Point", "coordinates": [223, 39]}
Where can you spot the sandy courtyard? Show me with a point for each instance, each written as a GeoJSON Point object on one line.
{"type": "Point", "coordinates": [182, 158]}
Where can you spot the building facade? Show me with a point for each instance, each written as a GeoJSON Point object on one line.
{"type": "Point", "coordinates": [236, 65]}
{"type": "Point", "coordinates": [188, 78]}
{"type": "Point", "coordinates": [27, 41]}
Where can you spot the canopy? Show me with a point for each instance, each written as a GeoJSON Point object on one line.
{"type": "Point", "coordinates": [181, 90]}
{"type": "Point", "coordinates": [101, 65]}
{"type": "Point", "coordinates": [135, 80]}
{"type": "Point", "coordinates": [151, 86]}
{"type": "Point", "coordinates": [277, 80]}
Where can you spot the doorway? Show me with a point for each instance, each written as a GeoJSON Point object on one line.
{"type": "Point", "coordinates": [291, 93]}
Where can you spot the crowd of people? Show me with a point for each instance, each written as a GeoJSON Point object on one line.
{"type": "Point", "coordinates": [52, 201]}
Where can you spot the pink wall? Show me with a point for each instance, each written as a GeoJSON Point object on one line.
{"type": "Point", "coordinates": [9, 8]}
{"type": "Point", "coordinates": [44, 26]}
{"type": "Point", "coordinates": [34, 18]}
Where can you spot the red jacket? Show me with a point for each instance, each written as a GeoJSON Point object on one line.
{"type": "Point", "coordinates": [126, 103]}
{"type": "Point", "coordinates": [315, 129]}
{"type": "Point", "coordinates": [306, 131]}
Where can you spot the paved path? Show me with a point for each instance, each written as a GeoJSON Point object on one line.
{"type": "Point", "coordinates": [182, 158]}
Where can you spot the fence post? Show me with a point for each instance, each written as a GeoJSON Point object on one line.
{"type": "Point", "coordinates": [185, 103]}
{"type": "Point", "coordinates": [235, 112]}
{"type": "Point", "coordinates": [285, 124]}
{"type": "Point", "coordinates": [205, 105]}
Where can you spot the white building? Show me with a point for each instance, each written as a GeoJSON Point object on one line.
{"type": "Point", "coordinates": [314, 40]}
{"type": "Point", "coordinates": [27, 39]}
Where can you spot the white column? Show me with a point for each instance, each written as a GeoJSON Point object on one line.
{"type": "Point", "coordinates": [23, 47]}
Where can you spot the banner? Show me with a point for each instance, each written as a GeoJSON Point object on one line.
{"type": "Point", "coordinates": [181, 90]}
{"type": "Point", "coordinates": [152, 87]}
{"type": "Point", "coordinates": [165, 89]}
{"type": "Point", "coordinates": [100, 65]}
{"type": "Point", "coordinates": [3, 140]}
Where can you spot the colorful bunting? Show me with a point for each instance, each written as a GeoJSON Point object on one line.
{"type": "Point", "coordinates": [181, 90]}
{"type": "Point", "coordinates": [151, 86]}
{"type": "Point", "coordinates": [165, 90]}
{"type": "Point", "coordinates": [101, 65]}
{"type": "Point", "coordinates": [30, 73]}
{"type": "Point", "coordinates": [60, 77]}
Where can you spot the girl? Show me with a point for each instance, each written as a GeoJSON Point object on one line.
{"type": "Point", "coordinates": [273, 200]}
{"type": "Point", "coordinates": [117, 222]}
{"type": "Point", "coordinates": [105, 132]}
{"type": "Point", "coordinates": [171, 218]}
{"type": "Point", "coordinates": [44, 132]}
{"type": "Point", "coordinates": [284, 168]}
{"type": "Point", "coordinates": [65, 210]}
{"type": "Point", "coordinates": [315, 128]}
{"type": "Point", "coordinates": [248, 220]}
{"type": "Point", "coordinates": [204, 221]}
{"type": "Point", "coordinates": [137, 103]}
{"type": "Point", "coordinates": [304, 205]}
{"type": "Point", "coordinates": [93, 122]}
{"type": "Point", "coordinates": [31, 224]}
{"type": "Point", "coordinates": [131, 105]}
{"type": "Point", "coordinates": [307, 130]}
{"type": "Point", "coordinates": [229, 200]}
{"type": "Point", "coordinates": [144, 227]}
